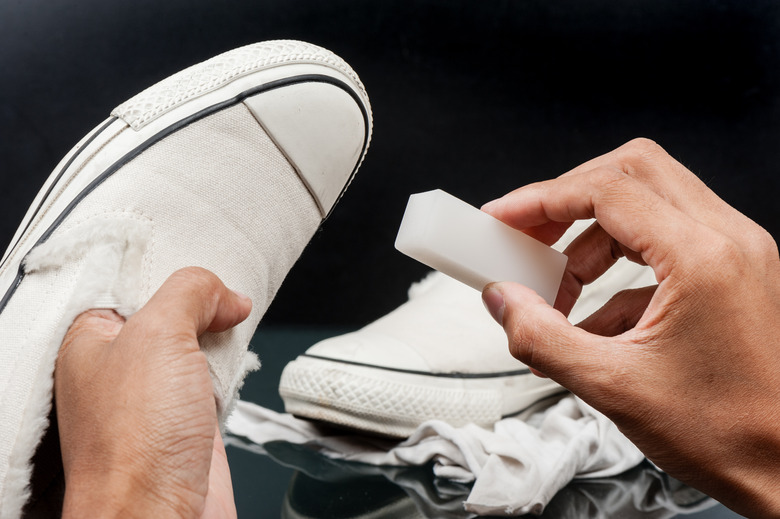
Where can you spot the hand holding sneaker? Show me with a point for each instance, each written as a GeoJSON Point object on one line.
{"type": "Point", "coordinates": [688, 370]}
{"type": "Point", "coordinates": [136, 409]}
{"type": "Point", "coordinates": [229, 165]}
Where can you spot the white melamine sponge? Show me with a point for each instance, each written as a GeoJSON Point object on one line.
{"type": "Point", "coordinates": [471, 246]}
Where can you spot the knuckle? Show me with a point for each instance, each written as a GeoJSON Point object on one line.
{"type": "Point", "coordinates": [524, 336]}
{"type": "Point", "coordinates": [757, 250]}
{"type": "Point", "coordinates": [197, 280]}
{"type": "Point", "coordinates": [721, 260]}
{"type": "Point", "coordinates": [641, 157]}
{"type": "Point", "coordinates": [184, 297]}
{"type": "Point", "coordinates": [520, 344]}
{"type": "Point", "coordinates": [613, 186]}
{"type": "Point", "coordinates": [193, 275]}
{"type": "Point", "coordinates": [643, 146]}
{"type": "Point", "coordinates": [763, 243]}
{"type": "Point", "coordinates": [726, 250]}
{"type": "Point", "coordinates": [611, 179]}
{"type": "Point", "coordinates": [96, 324]}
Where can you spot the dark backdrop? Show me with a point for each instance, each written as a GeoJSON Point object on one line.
{"type": "Point", "coordinates": [475, 97]}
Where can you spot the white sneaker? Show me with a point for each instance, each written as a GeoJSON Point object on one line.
{"type": "Point", "coordinates": [229, 165]}
{"type": "Point", "coordinates": [440, 356]}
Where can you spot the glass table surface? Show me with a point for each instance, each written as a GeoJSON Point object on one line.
{"type": "Point", "coordinates": [280, 479]}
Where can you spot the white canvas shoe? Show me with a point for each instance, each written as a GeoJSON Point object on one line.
{"type": "Point", "coordinates": [439, 356]}
{"type": "Point", "coordinates": [229, 165]}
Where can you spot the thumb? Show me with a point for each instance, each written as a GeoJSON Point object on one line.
{"type": "Point", "coordinates": [87, 336]}
{"type": "Point", "coordinates": [543, 339]}
{"type": "Point", "coordinates": [193, 301]}
{"type": "Point", "coordinates": [79, 360]}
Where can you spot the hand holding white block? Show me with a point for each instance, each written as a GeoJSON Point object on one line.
{"type": "Point", "coordinates": [471, 246]}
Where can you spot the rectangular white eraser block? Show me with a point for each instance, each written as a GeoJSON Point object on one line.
{"type": "Point", "coordinates": [471, 246]}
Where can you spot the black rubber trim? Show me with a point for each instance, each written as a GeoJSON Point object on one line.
{"type": "Point", "coordinates": [273, 85]}
{"type": "Point", "coordinates": [500, 374]}
{"type": "Point", "coordinates": [59, 176]}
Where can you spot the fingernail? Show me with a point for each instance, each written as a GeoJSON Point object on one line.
{"type": "Point", "coordinates": [494, 302]}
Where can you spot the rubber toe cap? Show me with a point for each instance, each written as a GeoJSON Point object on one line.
{"type": "Point", "coordinates": [322, 128]}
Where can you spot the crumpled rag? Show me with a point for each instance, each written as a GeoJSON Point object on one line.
{"type": "Point", "coordinates": [516, 468]}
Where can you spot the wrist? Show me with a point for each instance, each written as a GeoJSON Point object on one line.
{"type": "Point", "coordinates": [746, 478]}
{"type": "Point", "coordinates": [757, 491]}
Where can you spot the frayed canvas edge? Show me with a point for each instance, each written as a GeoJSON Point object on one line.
{"type": "Point", "coordinates": [226, 404]}
{"type": "Point", "coordinates": [114, 247]}
{"type": "Point", "coordinates": [34, 424]}
{"type": "Point", "coordinates": [132, 233]}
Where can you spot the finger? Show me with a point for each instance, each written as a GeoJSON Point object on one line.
{"type": "Point", "coordinates": [628, 211]}
{"type": "Point", "coordinates": [648, 162]}
{"type": "Point", "coordinates": [93, 327]}
{"type": "Point", "coordinates": [193, 301]}
{"type": "Point", "coordinates": [639, 147]}
{"type": "Point", "coordinates": [544, 340]}
{"type": "Point", "coordinates": [620, 313]}
{"type": "Point", "coordinates": [590, 255]}
{"type": "Point", "coordinates": [549, 233]}
{"type": "Point", "coordinates": [87, 336]}
{"type": "Point", "coordinates": [79, 363]}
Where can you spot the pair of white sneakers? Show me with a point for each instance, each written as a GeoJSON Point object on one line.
{"type": "Point", "coordinates": [231, 165]}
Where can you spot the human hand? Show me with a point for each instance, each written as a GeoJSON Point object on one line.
{"type": "Point", "coordinates": [688, 370]}
{"type": "Point", "coordinates": [136, 410]}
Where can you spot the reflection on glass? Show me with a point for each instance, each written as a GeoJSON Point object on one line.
{"type": "Point", "coordinates": [324, 488]}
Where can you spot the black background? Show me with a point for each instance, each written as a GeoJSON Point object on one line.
{"type": "Point", "coordinates": [476, 98]}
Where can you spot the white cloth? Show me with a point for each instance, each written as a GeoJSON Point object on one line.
{"type": "Point", "coordinates": [516, 468]}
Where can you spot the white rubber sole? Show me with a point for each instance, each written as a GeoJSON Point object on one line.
{"type": "Point", "coordinates": [394, 403]}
